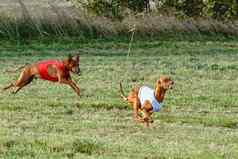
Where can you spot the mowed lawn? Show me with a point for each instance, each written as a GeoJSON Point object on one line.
{"type": "Point", "coordinates": [199, 118]}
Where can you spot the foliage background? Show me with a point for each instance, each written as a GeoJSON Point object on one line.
{"type": "Point", "coordinates": [217, 9]}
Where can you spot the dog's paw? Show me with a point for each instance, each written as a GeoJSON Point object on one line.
{"type": "Point", "coordinates": [147, 124]}
{"type": "Point", "coordinates": [13, 92]}
{"type": "Point", "coordinates": [78, 93]}
{"type": "Point", "coordinates": [146, 119]}
{"type": "Point", "coordinates": [151, 120]}
{"type": "Point", "coordinates": [138, 119]}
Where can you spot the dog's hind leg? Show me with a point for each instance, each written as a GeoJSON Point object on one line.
{"type": "Point", "coordinates": [136, 115]}
{"type": "Point", "coordinates": [25, 78]}
{"type": "Point", "coordinates": [14, 84]}
{"type": "Point", "coordinates": [9, 86]}
{"type": "Point", "coordinates": [23, 84]}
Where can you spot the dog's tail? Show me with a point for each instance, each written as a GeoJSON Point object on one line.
{"type": "Point", "coordinates": [122, 92]}
{"type": "Point", "coordinates": [19, 68]}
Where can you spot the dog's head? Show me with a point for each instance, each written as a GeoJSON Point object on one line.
{"type": "Point", "coordinates": [165, 83]}
{"type": "Point", "coordinates": [72, 64]}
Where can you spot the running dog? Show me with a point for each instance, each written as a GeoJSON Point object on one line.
{"type": "Point", "coordinates": [51, 70]}
{"type": "Point", "coordinates": [147, 100]}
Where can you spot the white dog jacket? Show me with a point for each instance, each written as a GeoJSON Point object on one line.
{"type": "Point", "coordinates": [146, 93]}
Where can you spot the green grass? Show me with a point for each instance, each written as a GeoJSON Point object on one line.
{"type": "Point", "coordinates": [199, 118]}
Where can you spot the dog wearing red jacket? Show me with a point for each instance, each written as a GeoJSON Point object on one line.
{"type": "Point", "coordinates": [50, 70]}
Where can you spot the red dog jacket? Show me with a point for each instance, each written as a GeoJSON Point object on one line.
{"type": "Point", "coordinates": [43, 69]}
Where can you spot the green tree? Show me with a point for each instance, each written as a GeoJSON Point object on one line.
{"type": "Point", "coordinates": [222, 9]}
{"type": "Point", "coordinates": [193, 8]}
{"type": "Point", "coordinates": [111, 8]}
{"type": "Point", "coordinates": [218, 9]}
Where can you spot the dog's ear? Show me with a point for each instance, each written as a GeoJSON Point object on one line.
{"type": "Point", "coordinates": [70, 57]}
{"type": "Point", "coordinates": [77, 57]}
{"type": "Point", "coordinates": [158, 81]}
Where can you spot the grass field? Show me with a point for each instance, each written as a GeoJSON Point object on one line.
{"type": "Point", "coordinates": [199, 118]}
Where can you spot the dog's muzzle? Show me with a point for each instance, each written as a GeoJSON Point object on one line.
{"type": "Point", "coordinates": [172, 85]}
{"type": "Point", "coordinates": [76, 71]}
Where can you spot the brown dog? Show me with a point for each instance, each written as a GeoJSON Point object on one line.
{"type": "Point", "coordinates": [147, 100]}
{"type": "Point", "coordinates": [51, 70]}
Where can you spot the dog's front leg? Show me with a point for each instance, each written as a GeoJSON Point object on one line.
{"type": "Point", "coordinates": [146, 118]}
{"type": "Point", "coordinates": [75, 86]}
{"type": "Point", "coordinates": [150, 117]}
{"type": "Point", "coordinates": [68, 82]}
{"type": "Point", "coordinates": [71, 84]}
{"type": "Point", "coordinates": [147, 109]}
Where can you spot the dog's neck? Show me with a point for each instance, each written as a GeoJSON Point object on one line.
{"type": "Point", "coordinates": [65, 62]}
{"type": "Point", "coordinates": [159, 93]}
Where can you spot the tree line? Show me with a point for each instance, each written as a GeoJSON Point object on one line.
{"type": "Point", "coordinates": [118, 9]}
